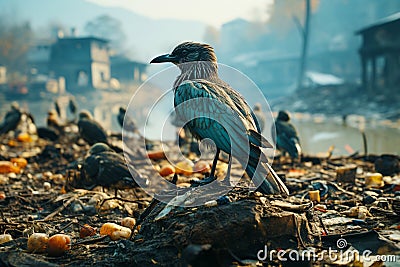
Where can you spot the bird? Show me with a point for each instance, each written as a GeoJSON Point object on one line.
{"type": "Point", "coordinates": [11, 119]}
{"type": "Point", "coordinates": [214, 110]}
{"type": "Point", "coordinates": [287, 139]}
{"type": "Point", "coordinates": [90, 130]}
{"type": "Point", "coordinates": [260, 116]}
{"type": "Point", "coordinates": [72, 105]}
{"type": "Point", "coordinates": [57, 108]}
{"type": "Point", "coordinates": [53, 120]}
{"type": "Point", "coordinates": [104, 167]}
{"type": "Point", "coordinates": [126, 122]}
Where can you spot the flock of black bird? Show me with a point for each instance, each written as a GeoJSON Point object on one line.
{"type": "Point", "coordinates": [217, 112]}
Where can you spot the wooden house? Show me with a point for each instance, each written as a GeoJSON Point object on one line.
{"type": "Point", "coordinates": [380, 55]}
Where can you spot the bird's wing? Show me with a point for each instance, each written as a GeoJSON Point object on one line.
{"type": "Point", "coordinates": [287, 128]}
{"type": "Point", "coordinates": [226, 101]}
{"type": "Point", "coordinates": [112, 168]}
{"type": "Point", "coordinates": [244, 108]}
{"type": "Point", "coordinates": [10, 122]}
{"type": "Point", "coordinates": [213, 112]}
{"type": "Point", "coordinates": [91, 166]}
{"type": "Point", "coordinates": [92, 131]}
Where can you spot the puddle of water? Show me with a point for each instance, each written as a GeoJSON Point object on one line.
{"type": "Point", "coordinates": [316, 135]}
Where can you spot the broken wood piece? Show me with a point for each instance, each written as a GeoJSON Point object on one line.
{"type": "Point", "coordinates": [59, 209]}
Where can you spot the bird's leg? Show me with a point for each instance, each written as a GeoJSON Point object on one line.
{"type": "Point", "coordinates": [212, 177]}
{"type": "Point", "coordinates": [228, 172]}
{"type": "Point", "coordinates": [214, 166]}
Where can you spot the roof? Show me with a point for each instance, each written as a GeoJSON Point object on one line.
{"type": "Point", "coordinates": [386, 20]}
{"type": "Point", "coordinates": [87, 38]}
{"type": "Point", "coordinates": [116, 60]}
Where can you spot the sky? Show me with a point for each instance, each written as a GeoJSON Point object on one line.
{"type": "Point", "coordinates": [212, 12]}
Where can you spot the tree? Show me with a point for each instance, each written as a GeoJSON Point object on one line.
{"type": "Point", "coordinates": [283, 12]}
{"type": "Point", "coordinates": [15, 39]}
{"type": "Point", "coordinates": [305, 37]}
{"type": "Point", "coordinates": [107, 27]}
{"type": "Point", "coordinates": [211, 35]}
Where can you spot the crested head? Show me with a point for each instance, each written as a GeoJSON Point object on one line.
{"type": "Point", "coordinates": [191, 51]}
{"type": "Point", "coordinates": [283, 116]}
{"type": "Point", "coordinates": [195, 60]}
{"type": "Point", "coordinates": [85, 114]}
{"type": "Point", "coordinates": [98, 148]}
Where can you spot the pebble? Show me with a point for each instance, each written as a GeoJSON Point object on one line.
{"type": "Point", "coordinates": [46, 186]}
{"type": "Point", "coordinates": [12, 175]}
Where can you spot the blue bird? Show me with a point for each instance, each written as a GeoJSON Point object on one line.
{"type": "Point", "coordinates": [214, 110]}
{"type": "Point", "coordinates": [287, 139]}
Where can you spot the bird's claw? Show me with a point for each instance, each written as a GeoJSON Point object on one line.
{"type": "Point", "coordinates": [204, 181]}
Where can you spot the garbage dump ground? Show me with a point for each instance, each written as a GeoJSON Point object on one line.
{"type": "Point", "coordinates": [342, 211]}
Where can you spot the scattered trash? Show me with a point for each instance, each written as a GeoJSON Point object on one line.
{"type": "Point", "coordinates": [354, 198]}
{"type": "Point", "coordinates": [58, 244]}
{"type": "Point", "coordinates": [38, 243]}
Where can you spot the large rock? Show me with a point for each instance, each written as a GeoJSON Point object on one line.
{"type": "Point", "coordinates": [237, 229]}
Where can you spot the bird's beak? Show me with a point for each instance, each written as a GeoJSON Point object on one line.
{"type": "Point", "coordinates": [164, 58]}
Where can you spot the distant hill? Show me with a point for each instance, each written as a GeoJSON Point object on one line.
{"type": "Point", "coordinates": [146, 37]}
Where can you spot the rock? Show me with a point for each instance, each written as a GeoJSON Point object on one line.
{"type": "Point", "coordinates": [256, 224]}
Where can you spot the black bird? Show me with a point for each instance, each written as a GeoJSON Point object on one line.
{"type": "Point", "coordinates": [57, 108]}
{"type": "Point", "coordinates": [90, 130]}
{"type": "Point", "coordinates": [219, 113]}
{"type": "Point", "coordinates": [104, 167]}
{"type": "Point", "coordinates": [287, 139]}
{"type": "Point", "coordinates": [260, 116]}
{"type": "Point", "coordinates": [126, 122]}
{"type": "Point", "coordinates": [11, 119]}
{"type": "Point", "coordinates": [73, 107]}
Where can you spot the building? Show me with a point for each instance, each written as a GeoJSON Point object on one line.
{"type": "Point", "coordinates": [38, 57]}
{"type": "Point", "coordinates": [127, 71]}
{"type": "Point", "coordinates": [83, 61]}
{"type": "Point", "coordinates": [3, 74]}
{"type": "Point", "coordinates": [380, 55]}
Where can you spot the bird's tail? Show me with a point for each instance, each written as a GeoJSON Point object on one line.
{"type": "Point", "coordinates": [291, 145]}
{"type": "Point", "coordinates": [263, 175]}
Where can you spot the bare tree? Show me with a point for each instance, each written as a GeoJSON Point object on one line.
{"type": "Point", "coordinates": [305, 37]}
{"type": "Point", "coordinates": [15, 39]}
{"type": "Point", "coordinates": [105, 26]}
{"type": "Point", "coordinates": [284, 12]}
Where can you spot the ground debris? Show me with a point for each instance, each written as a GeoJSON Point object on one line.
{"type": "Point", "coordinates": [356, 203]}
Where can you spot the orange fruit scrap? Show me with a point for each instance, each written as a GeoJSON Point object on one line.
{"type": "Point", "coordinates": [20, 162]}
{"type": "Point", "coordinates": [58, 244]}
{"type": "Point", "coordinates": [8, 166]}
{"type": "Point", "coordinates": [184, 167]}
{"type": "Point", "coordinates": [167, 170]}
{"type": "Point", "coordinates": [24, 137]}
{"type": "Point", "coordinates": [156, 154]}
{"type": "Point", "coordinates": [87, 230]}
{"type": "Point", "coordinates": [202, 167]}
{"type": "Point", "coordinates": [115, 231]}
